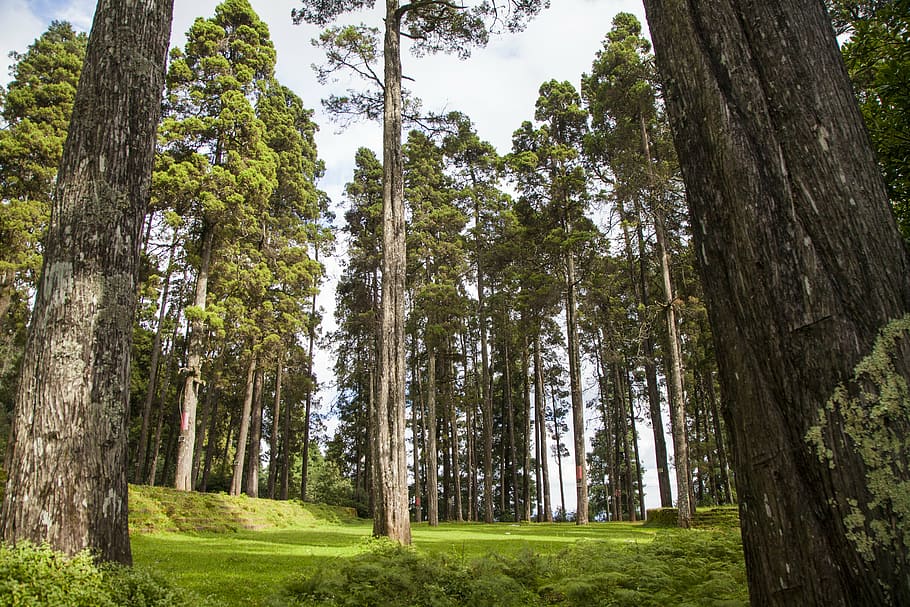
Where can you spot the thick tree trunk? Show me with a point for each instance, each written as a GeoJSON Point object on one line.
{"type": "Point", "coordinates": [186, 443]}
{"type": "Point", "coordinates": [242, 433]}
{"type": "Point", "coordinates": [803, 268]}
{"type": "Point", "coordinates": [67, 480]}
{"type": "Point", "coordinates": [578, 406]}
{"type": "Point", "coordinates": [432, 448]}
{"type": "Point", "coordinates": [390, 469]}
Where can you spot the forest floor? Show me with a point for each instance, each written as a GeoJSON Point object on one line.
{"type": "Point", "coordinates": [242, 551]}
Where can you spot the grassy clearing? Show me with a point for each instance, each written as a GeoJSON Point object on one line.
{"type": "Point", "coordinates": [267, 553]}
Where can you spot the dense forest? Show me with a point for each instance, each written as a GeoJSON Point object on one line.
{"type": "Point", "coordinates": [501, 315]}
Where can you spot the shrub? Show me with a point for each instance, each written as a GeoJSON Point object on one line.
{"type": "Point", "coordinates": [33, 576]}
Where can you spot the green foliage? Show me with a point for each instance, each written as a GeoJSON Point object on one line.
{"type": "Point", "coordinates": [40, 577]}
{"type": "Point", "coordinates": [877, 55]}
{"type": "Point", "coordinates": [679, 568]}
{"type": "Point", "coordinates": [159, 509]}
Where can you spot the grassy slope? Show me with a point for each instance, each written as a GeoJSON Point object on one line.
{"type": "Point", "coordinates": [240, 551]}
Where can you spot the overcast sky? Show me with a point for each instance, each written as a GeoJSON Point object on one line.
{"type": "Point", "coordinates": [496, 87]}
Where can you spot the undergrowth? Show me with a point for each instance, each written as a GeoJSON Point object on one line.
{"type": "Point", "coordinates": [32, 576]}
{"type": "Point", "coordinates": [693, 568]}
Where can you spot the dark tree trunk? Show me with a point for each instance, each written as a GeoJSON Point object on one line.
{"type": "Point", "coordinates": [803, 266]}
{"type": "Point", "coordinates": [72, 405]}
{"type": "Point", "coordinates": [578, 406]}
{"type": "Point", "coordinates": [540, 407]}
{"type": "Point", "coordinates": [526, 439]}
{"type": "Point", "coordinates": [276, 422]}
{"type": "Point", "coordinates": [432, 449]}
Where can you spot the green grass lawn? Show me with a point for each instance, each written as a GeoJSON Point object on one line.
{"type": "Point", "coordinates": [258, 551]}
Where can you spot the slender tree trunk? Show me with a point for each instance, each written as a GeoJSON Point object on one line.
{"type": "Point", "coordinates": [273, 438]}
{"type": "Point", "coordinates": [806, 278]}
{"type": "Point", "coordinates": [242, 433]}
{"type": "Point", "coordinates": [526, 439]}
{"type": "Point", "coordinates": [640, 480]}
{"type": "Point", "coordinates": [308, 402]}
{"type": "Point", "coordinates": [556, 437]}
{"type": "Point", "coordinates": [186, 441]}
{"type": "Point", "coordinates": [390, 480]}
{"type": "Point", "coordinates": [510, 416]}
{"type": "Point", "coordinates": [72, 403]}
{"type": "Point", "coordinates": [578, 406]}
{"type": "Point", "coordinates": [456, 456]}
{"type": "Point", "coordinates": [540, 417]}
{"type": "Point", "coordinates": [142, 447]}
{"type": "Point", "coordinates": [286, 441]}
{"type": "Point", "coordinates": [210, 446]}
{"type": "Point", "coordinates": [253, 461]}
{"type": "Point", "coordinates": [202, 427]}
{"type": "Point", "coordinates": [432, 448]}
{"type": "Point", "coordinates": [416, 427]}
{"type": "Point", "coordinates": [719, 438]}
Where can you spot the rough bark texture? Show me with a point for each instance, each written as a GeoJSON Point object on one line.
{"type": "Point", "coordinates": [539, 410]}
{"type": "Point", "coordinates": [390, 480]}
{"type": "Point", "coordinates": [803, 266]}
{"type": "Point", "coordinates": [251, 484]}
{"type": "Point", "coordinates": [186, 441]}
{"type": "Point", "coordinates": [67, 483]}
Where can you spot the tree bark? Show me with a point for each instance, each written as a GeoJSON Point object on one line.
{"type": "Point", "coordinates": [67, 482]}
{"type": "Point", "coordinates": [240, 453]}
{"type": "Point", "coordinates": [803, 268]}
{"type": "Point", "coordinates": [186, 443]}
{"type": "Point", "coordinates": [251, 487]}
{"type": "Point", "coordinates": [578, 406]}
{"type": "Point", "coordinates": [526, 439]}
{"type": "Point", "coordinates": [432, 448]}
{"type": "Point", "coordinates": [390, 480]}
{"type": "Point", "coordinates": [539, 416]}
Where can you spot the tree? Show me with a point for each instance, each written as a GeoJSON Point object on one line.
{"type": "Point", "coordinates": [73, 397]}
{"type": "Point", "coordinates": [432, 26]}
{"type": "Point", "coordinates": [546, 164]}
{"type": "Point", "coordinates": [806, 278]}
{"type": "Point", "coordinates": [214, 139]}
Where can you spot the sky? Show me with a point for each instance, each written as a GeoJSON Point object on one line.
{"type": "Point", "coordinates": [496, 87]}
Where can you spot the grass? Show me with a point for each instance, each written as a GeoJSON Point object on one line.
{"type": "Point", "coordinates": [240, 551]}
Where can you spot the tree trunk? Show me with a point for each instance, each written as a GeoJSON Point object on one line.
{"type": "Point", "coordinates": [240, 453]}
{"type": "Point", "coordinates": [203, 426]}
{"type": "Point", "coordinates": [677, 399]}
{"type": "Point", "coordinates": [390, 469]}
{"type": "Point", "coordinates": [276, 419]}
{"type": "Point", "coordinates": [578, 406]}
{"type": "Point", "coordinates": [657, 423]}
{"type": "Point", "coordinates": [556, 437]}
{"type": "Point", "coordinates": [416, 428]}
{"type": "Point", "coordinates": [526, 439]}
{"type": "Point", "coordinates": [456, 457]}
{"type": "Point", "coordinates": [308, 403]}
{"type": "Point", "coordinates": [210, 445]}
{"type": "Point", "coordinates": [803, 268]}
{"type": "Point", "coordinates": [432, 448]}
{"type": "Point", "coordinates": [252, 464]}
{"type": "Point", "coordinates": [721, 440]}
{"type": "Point", "coordinates": [510, 416]}
{"type": "Point", "coordinates": [186, 442]}
{"type": "Point", "coordinates": [486, 393]}
{"type": "Point", "coordinates": [72, 404]}
{"type": "Point", "coordinates": [540, 418]}
{"type": "Point", "coordinates": [142, 447]}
